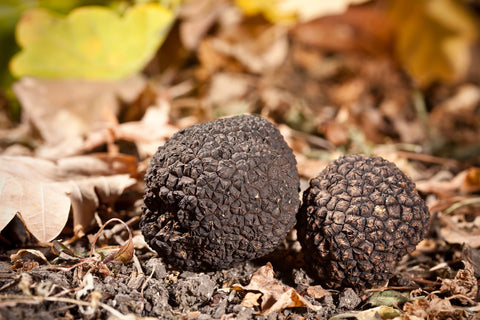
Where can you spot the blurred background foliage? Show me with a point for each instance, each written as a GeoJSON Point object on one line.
{"type": "Point", "coordinates": [431, 38]}
{"type": "Point", "coordinates": [430, 42]}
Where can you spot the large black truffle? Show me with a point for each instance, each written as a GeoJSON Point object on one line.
{"type": "Point", "coordinates": [220, 192]}
{"type": "Point", "coordinates": [359, 216]}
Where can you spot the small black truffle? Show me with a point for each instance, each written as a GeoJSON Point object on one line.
{"type": "Point", "coordinates": [220, 192]}
{"type": "Point", "coordinates": [359, 216]}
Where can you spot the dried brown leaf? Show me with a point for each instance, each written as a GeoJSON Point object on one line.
{"type": "Point", "coordinates": [317, 292]}
{"type": "Point", "coordinates": [354, 30]}
{"type": "Point", "coordinates": [119, 254]}
{"type": "Point", "coordinates": [464, 283]}
{"type": "Point", "coordinates": [467, 181]}
{"type": "Point", "coordinates": [251, 299]}
{"type": "Point", "coordinates": [68, 109]}
{"type": "Point", "coordinates": [433, 307]}
{"type": "Point", "coordinates": [454, 231]}
{"type": "Point", "coordinates": [99, 164]}
{"type": "Point", "coordinates": [227, 93]}
{"type": "Point", "coordinates": [197, 17]}
{"type": "Point", "coordinates": [256, 47]}
{"type": "Point", "coordinates": [86, 194]}
{"type": "Point", "coordinates": [150, 132]}
{"type": "Point", "coordinates": [275, 296]}
{"type": "Point", "coordinates": [22, 252]}
{"type": "Point", "coordinates": [472, 255]}
{"type": "Point", "coordinates": [43, 192]}
{"type": "Point", "coordinates": [26, 188]}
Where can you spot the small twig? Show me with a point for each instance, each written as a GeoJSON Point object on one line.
{"type": "Point", "coordinates": [463, 203]}
{"type": "Point", "coordinates": [144, 285]}
{"type": "Point", "coordinates": [313, 140]}
{"type": "Point", "coordinates": [103, 227]}
{"type": "Point", "coordinates": [117, 228]}
{"type": "Point", "coordinates": [425, 282]}
{"type": "Point", "coordinates": [11, 283]}
{"type": "Point", "coordinates": [391, 288]}
{"type": "Point", "coordinates": [427, 158]}
{"type": "Point", "coordinates": [37, 299]}
{"type": "Point", "coordinates": [461, 296]}
{"type": "Point", "coordinates": [137, 264]}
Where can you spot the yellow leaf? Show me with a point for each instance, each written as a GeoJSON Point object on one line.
{"type": "Point", "coordinates": [270, 9]}
{"type": "Point", "coordinates": [91, 42]}
{"type": "Point", "coordinates": [433, 38]}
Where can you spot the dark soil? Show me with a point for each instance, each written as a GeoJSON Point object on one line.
{"type": "Point", "coordinates": [30, 289]}
{"type": "Point", "coordinates": [159, 291]}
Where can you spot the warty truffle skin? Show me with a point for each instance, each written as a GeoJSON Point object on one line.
{"type": "Point", "coordinates": [359, 216]}
{"type": "Point", "coordinates": [220, 192]}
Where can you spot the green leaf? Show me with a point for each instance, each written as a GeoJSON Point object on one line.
{"type": "Point", "coordinates": [388, 298]}
{"type": "Point", "coordinates": [91, 42]}
{"type": "Point", "coordinates": [382, 312]}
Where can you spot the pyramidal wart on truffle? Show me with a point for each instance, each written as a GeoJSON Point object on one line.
{"type": "Point", "coordinates": [359, 216]}
{"type": "Point", "coordinates": [220, 192]}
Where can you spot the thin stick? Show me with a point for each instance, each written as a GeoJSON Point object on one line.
{"type": "Point", "coordinates": [463, 203]}
{"type": "Point", "coordinates": [25, 300]}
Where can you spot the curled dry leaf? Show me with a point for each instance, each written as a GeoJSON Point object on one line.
{"type": "Point", "coordinates": [43, 192]}
{"type": "Point", "coordinates": [22, 252]}
{"type": "Point", "coordinates": [275, 296]}
{"type": "Point", "coordinates": [100, 164]}
{"type": "Point", "coordinates": [117, 254]}
{"type": "Point", "coordinates": [464, 283]}
{"type": "Point", "coordinates": [432, 307]}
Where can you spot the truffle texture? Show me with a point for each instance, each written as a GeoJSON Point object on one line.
{"type": "Point", "coordinates": [220, 192]}
{"type": "Point", "coordinates": [359, 216]}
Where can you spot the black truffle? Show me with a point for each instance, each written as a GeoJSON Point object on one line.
{"type": "Point", "coordinates": [220, 192]}
{"type": "Point", "coordinates": [359, 216]}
